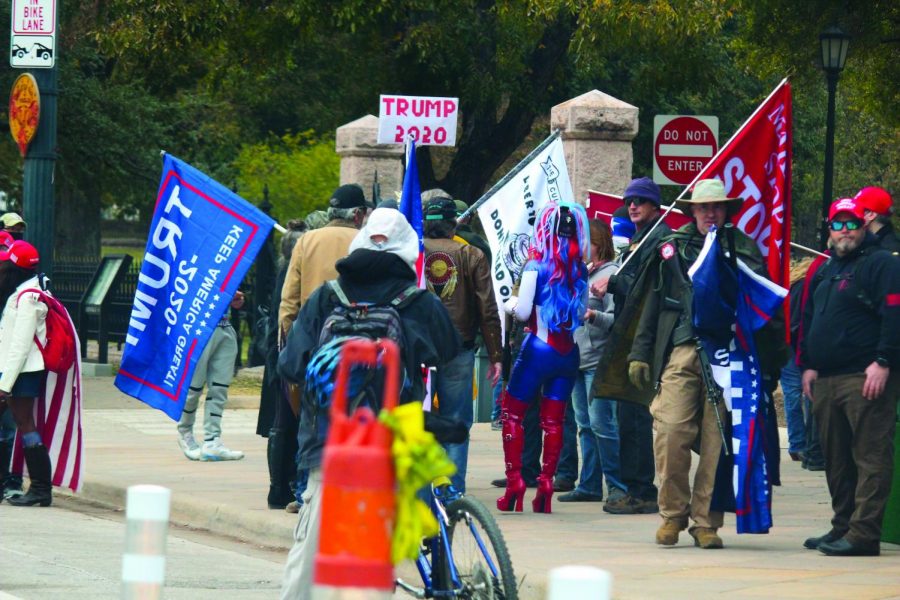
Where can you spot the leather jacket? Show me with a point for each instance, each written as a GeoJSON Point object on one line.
{"type": "Point", "coordinates": [459, 274]}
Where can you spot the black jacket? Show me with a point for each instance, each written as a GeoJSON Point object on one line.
{"type": "Point", "coordinates": [376, 277]}
{"type": "Point", "coordinates": [853, 312]}
{"type": "Point", "coordinates": [887, 239]}
{"type": "Point", "coordinates": [620, 283]}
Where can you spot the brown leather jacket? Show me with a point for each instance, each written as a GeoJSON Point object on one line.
{"type": "Point", "coordinates": [461, 277]}
{"type": "Point", "coordinates": [312, 264]}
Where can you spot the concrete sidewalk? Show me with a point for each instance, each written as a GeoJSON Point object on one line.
{"type": "Point", "coordinates": [128, 443]}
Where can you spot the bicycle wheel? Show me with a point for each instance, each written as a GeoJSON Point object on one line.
{"type": "Point", "coordinates": [477, 545]}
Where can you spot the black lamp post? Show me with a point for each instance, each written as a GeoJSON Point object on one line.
{"type": "Point", "coordinates": [834, 54]}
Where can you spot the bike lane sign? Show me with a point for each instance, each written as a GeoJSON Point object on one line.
{"type": "Point", "coordinates": [33, 34]}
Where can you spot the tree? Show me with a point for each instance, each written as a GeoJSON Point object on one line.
{"type": "Point", "coordinates": [507, 61]}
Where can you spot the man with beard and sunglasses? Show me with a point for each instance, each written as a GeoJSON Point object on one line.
{"type": "Point", "coordinates": [849, 355]}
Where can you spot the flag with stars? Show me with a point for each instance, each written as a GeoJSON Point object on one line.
{"type": "Point", "coordinates": [730, 304]}
{"type": "Point", "coordinates": [203, 239]}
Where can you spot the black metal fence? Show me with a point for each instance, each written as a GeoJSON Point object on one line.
{"type": "Point", "coordinates": [72, 275]}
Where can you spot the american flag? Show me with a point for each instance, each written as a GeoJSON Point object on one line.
{"type": "Point", "coordinates": [58, 416]}
{"type": "Point", "coordinates": [753, 301]}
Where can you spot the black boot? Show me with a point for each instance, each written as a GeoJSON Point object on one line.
{"type": "Point", "coordinates": [279, 488]}
{"type": "Point", "coordinates": [5, 456]}
{"type": "Point", "coordinates": [39, 492]}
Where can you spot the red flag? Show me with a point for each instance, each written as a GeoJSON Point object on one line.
{"type": "Point", "coordinates": [601, 206]}
{"type": "Point", "coordinates": [755, 164]}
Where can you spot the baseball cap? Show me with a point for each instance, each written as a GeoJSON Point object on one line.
{"type": "Point", "coordinates": [22, 254]}
{"type": "Point", "coordinates": [11, 219]}
{"type": "Point", "coordinates": [440, 209]}
{"type": "Point", "coordinates": [847, 205]}
{"type": "Point", "coordinates": [349, 196]}
{"type": "Point", "coordinates": [461, 207]}
{"type": "Point", "coordinates": [6, 239]}
{"type": "Point", "coordinates": [876, 199]}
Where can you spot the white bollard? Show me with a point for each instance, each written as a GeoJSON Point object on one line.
{"type": "Point", "coordinates": [584, 583]}
{"type": "Point", "coordinates": [144, 560]}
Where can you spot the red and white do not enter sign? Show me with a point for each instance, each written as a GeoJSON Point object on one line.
{"type": "Point", "coordinates": [682, 145]}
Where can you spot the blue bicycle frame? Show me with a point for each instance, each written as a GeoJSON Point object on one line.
{"type": "Point", "coordinates": [439, 547]}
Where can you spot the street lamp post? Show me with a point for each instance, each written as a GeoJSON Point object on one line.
{"type": "Point", "coordinates": [834, 44]}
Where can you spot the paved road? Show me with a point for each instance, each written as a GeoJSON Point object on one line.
{"type": "Point", "coordinates": [128, 443]}
{"type": "Point", "coordinates": [51, 553]}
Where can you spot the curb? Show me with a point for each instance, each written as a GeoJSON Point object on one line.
{"type": "Point", "coordinates": [219, 519]}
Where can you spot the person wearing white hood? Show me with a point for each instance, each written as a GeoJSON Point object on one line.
{"type": "Point", "coordinates": [379, 269]}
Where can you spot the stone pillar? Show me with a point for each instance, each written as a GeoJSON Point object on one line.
{"type": "Point", "coordinates": [361, 156]}
{"type": "Point", "coordinates": [597, 131]}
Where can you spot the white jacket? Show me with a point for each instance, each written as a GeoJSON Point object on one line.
{"type": "Point", "coordinates": [23, 318]}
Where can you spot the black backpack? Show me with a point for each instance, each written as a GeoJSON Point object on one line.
{"type": "Point", "coordinates": [353, 320]}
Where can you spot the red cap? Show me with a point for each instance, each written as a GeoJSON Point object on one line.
{"type": "Point", "coordinates": [876, 199]}
{"type": "Point", "coordinates": [22, 254]}
{"type": "Point", "coordinates": [847, 205]}
{"type": "Point", "coordinates": [6, 239]}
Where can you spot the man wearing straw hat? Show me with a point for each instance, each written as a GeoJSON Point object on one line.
{"type": "Point", "coordinates": [664, 353]}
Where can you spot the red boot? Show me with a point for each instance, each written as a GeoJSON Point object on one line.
{"type": "Point", "coordinates": [552, 414]}
{"type": "Point", "coordinates": [513, 442]}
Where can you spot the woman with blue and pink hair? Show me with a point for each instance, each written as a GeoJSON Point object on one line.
{"type": "Point", "coordinates": [552, 299]}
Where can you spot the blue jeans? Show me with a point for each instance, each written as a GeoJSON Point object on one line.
{"type": "Point", "coordinates": [793, 406]}
{"type": "Point", "coordinates": [567, 467]}
{"type": "Point", "coordinates": [598, 434]}
{"type": "Point", "coordinates": [495, 412]}
{"type": "Point", "coordinates": [453, 384]}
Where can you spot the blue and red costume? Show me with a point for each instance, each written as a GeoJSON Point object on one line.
{"type": "Point", "coordinates": [552, 299]}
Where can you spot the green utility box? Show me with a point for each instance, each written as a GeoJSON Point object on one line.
{"type": "Point", "coordinates": [891, 530]}
{"type": "Point", "coordinates": [484, 391]}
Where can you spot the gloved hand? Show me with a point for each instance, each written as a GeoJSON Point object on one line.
{"type": "Point", "coordinates": [638, 373]}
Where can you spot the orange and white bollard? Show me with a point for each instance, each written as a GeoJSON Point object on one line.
{"type": "Point", "coordinates": [583, 582]}
{"type": "Point", "coordinates": [146, 528]}
{"type": "Point", "coordinates": [358, 487]}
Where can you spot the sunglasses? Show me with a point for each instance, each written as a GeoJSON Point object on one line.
{"type": "Point", "coordinates": [851, 225]}
{"type": "Point", "coordinates": [636, 201]}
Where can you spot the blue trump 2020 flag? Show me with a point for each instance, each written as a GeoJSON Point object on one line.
{"type": "Point", "coordinates": [411, 206]}
{"type": "Point", "coordinates": [202, 240]}
{"type": "Point", "coordinates": [729, 305]}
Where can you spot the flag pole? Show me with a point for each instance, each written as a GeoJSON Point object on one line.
{"type": "Point", "coordinates": [515, 171]}
{"type": "Point", "coordinates": [703, 171]}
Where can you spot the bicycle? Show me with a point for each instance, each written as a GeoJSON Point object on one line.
{"type": "Point", "coordinates": [468, 558]}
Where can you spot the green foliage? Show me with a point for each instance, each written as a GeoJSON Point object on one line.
{"type": "Point", "coordinates": [300, 170]}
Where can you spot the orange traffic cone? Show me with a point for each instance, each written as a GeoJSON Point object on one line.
{"type": "Point", "coordinates": [358, 483]}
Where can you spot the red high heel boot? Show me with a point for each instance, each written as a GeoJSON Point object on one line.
{"type": "Point", "coordinates": [513, 412]}
{"type": "Point", "coordinates": [552, 415]}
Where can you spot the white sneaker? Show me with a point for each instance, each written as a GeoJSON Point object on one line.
{"type": "Point", "coordinates": [189, 445]}
{"type": "Point", "coordinates": [215, 450]}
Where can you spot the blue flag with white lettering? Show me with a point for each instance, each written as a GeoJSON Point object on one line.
{"type": "Point", "coordinates": [203, 239]}
{"type": "Point", "coordinates": [729, 305]}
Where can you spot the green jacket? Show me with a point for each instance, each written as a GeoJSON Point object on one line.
{"type": "Point", "coordinates": [659, 316]}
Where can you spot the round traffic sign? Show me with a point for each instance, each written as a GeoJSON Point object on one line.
{"type": "Point", "coordinates": [682, 148]}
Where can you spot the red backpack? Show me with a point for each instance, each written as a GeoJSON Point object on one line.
{"type": "Point", "coordinates": [59, 352]}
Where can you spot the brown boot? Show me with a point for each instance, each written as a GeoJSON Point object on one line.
{"type": "Point", "coordinates": [706, 538]}
{"type": "Point", "coordinates": [667, 534]}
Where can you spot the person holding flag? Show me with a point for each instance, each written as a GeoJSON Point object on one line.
{"type": "Point", "coordinates": [665, 350]}
{"type": "Point", "coordinates": [553, 298]}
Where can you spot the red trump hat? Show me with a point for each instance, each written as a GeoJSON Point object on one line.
{"type": "Point", "coordinates": [876, 199]}
{"type": "Point", "coordinates": [847, 205]}
{"type": "Point", "coordinates": [22, 254]}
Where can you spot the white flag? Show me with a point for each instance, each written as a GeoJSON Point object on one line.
{"type": "Point", "coordinates": [508, 216]}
